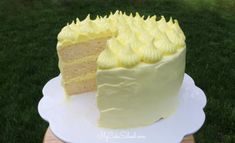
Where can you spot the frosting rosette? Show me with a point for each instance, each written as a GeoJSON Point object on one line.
{"type": "Point", "coordinates": [127, 57]}
{"type": "Point", "coordinates": [107, 59]}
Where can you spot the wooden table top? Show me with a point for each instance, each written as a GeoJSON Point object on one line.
{"type": "Point", "coordinates": [51, 138]}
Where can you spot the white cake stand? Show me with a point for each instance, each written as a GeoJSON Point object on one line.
{"type": "Point", "coordinates": [73, 119]}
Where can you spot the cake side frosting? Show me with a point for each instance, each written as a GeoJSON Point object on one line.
{"type": "Point", "coordinates": [141, 95]}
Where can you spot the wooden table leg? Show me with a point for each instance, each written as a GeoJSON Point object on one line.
{"type": "Point", "coordinates": [51, 138]}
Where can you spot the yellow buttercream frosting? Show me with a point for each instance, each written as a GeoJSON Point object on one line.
{"type": "Point", "coordinates": [165, 45]}
{"type": "Point", "coordinates": [142, 95]}
{"type": "Point", "coordinates": [135, 39]}
{"type": "Point", "coordinates": [150, 53]}
{"type": "Point", "coordinates": [127, 57]}
{"type": "Point", "coordinates": [107, 59]}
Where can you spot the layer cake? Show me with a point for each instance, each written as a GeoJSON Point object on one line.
{"type": "Point", "coordinates": [135, 64]}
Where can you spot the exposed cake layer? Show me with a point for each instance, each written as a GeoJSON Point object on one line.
{"type": "Point", "coordinates": [78, 51]}
{"type": "Point", "coordinates": [74, 70]}
{"type": "Point", "coordinates": [81, 85]}
{"type": "Point", "coordinates": [141, 95]}
{"type": "Point", "coordinates": [77, 65]}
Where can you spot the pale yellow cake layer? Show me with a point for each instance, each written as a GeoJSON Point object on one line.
{"type": "Point", "coordinates": [78, 68]}
{"type": "Point", "coordinates": [81, 50]}
{"type": "Point", "coordinates": [81, 84]}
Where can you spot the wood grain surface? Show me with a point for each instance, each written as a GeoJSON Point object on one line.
{"type": "Point", "coordinates": [51, 138]}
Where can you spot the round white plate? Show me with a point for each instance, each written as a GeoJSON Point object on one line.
{"type": "Point", "coordinates": [73, 119]}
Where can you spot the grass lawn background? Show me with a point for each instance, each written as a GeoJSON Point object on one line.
{"type": "Point", "coordinates": [28, 59]}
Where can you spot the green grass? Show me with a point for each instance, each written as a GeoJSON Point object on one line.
{"type": "Point", "coordinates": [28, 31]}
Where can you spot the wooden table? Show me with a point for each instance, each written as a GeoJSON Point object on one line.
{"type": "Point", "coordinates": [51, 138]}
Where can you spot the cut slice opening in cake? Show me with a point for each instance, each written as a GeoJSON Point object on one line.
{"type": "Point", "coordinates": [78, 65]}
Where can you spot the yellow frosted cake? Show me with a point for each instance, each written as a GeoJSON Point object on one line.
{"type": "Point", "coordinates": [135, 64]}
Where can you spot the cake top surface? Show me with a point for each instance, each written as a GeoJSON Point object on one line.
{"type": "Point", "coordinates": [131, 39]}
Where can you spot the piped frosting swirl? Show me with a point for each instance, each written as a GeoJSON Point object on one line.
{"type": "Point", "coordinates": [150, 54]}
{"type": "Point", "coordinates": [127, 57]}
{"type": "Point", "coordinates": [134, 38]}
{"type": "Point", "coordinates": [107, 59]}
